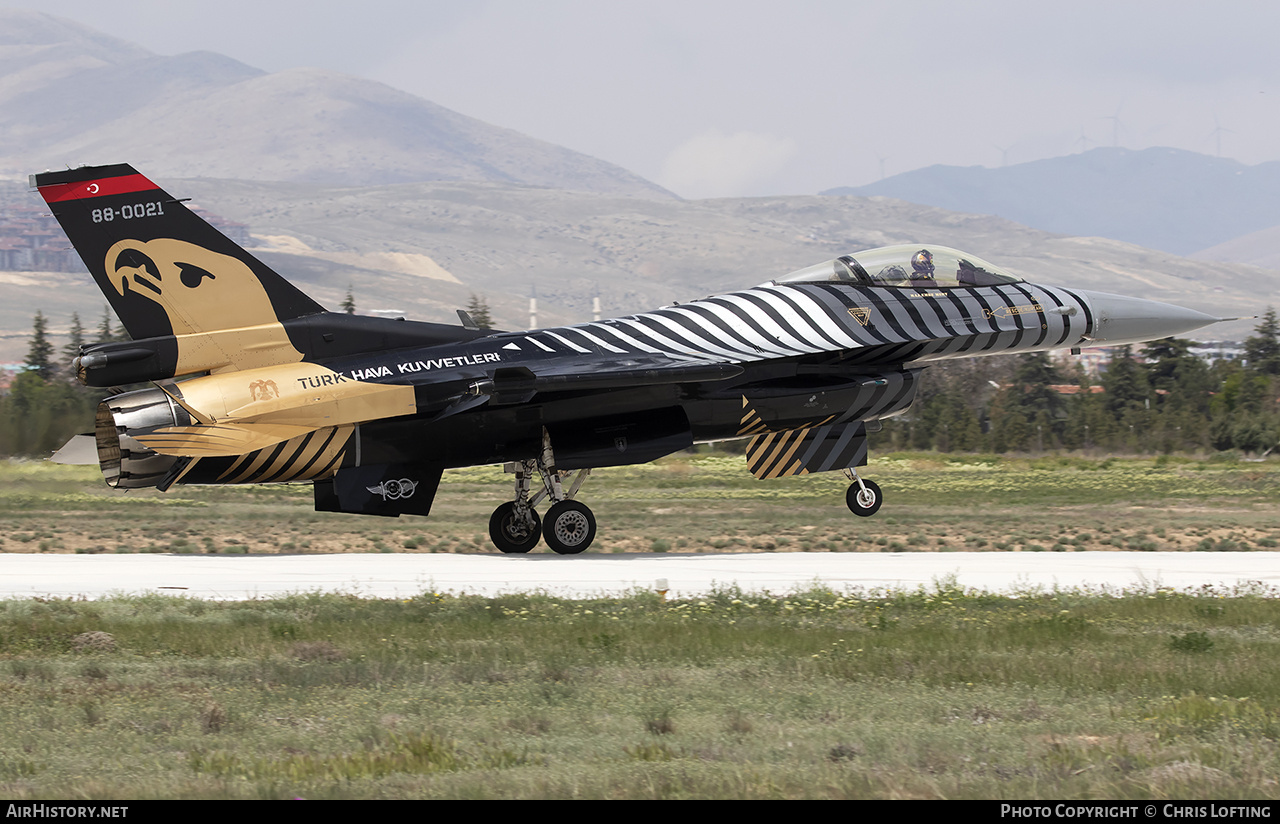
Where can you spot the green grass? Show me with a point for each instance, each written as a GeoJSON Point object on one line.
{"type": "Point", "coordinates": [932, 693]}
{"type": "Point", "coordinates": [937, 693]}
{"type": "Point", "coordinates": [692, 503]}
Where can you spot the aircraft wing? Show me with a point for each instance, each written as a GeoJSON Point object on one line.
{"type": "Point", "coordinates": [597, 373]}
{"type": "Point", "coordinates": [509, 385]}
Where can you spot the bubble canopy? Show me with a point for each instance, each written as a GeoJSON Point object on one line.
{"type": "Point", "coordinates": [905, 266]}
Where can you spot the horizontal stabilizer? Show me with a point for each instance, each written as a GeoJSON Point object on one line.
{"type": "Point", "coordinates": [81, 450]}
{"type": "Point", "coordinates": [218, 440]}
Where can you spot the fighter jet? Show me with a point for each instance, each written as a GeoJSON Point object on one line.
{"type": "Point", "coordinates": [256, 383]}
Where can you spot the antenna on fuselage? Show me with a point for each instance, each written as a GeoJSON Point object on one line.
{"type": "Point", "coordinates": [533, 307]}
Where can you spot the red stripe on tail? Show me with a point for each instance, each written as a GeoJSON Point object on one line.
{"type": "Point", "coordinates": [96, 188]}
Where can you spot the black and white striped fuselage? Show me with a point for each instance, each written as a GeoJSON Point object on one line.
{"type": "Point", "coordinates": [867, 325]}
{"type": "Point", "coordinates": [812, 356]}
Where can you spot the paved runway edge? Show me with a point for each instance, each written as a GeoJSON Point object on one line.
{"type": "Point", "coordinates": [219, 577]}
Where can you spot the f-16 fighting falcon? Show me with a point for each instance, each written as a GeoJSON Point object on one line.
{"type": "Point", "coordinates": [256, 383]}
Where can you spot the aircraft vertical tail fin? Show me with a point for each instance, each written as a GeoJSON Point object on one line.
{"type": "Point", "coordinates": [164, 269]}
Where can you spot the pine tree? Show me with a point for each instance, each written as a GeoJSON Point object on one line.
{"type": "Point", "coordinates": [1031, 416]}
{"type": "Point", "coordinates": [39, 416]}
{"type": "Point", "coordinates": [40, 353]}
{"type": "Point", "coordinates": [1036, 373]}
{"type": "Point", "coordinates": [1165, 357]}
{"type": "Point", "coordinates": [1126, 383]}
{"type": "Point", "coordinates": [349, 302]}
{"type": "Point", "coordinates": [104, 332]}
{"type": "Point", "coordinates": [1088, 423]}
{"type": "Point", "coordinates": [75, 340]}
{"type": "Point", "coordinates": [478, 309]}
{"type": "Point", "coordinates": [1010, 429]}
{"type": "Point", "coordinates": [1262, 351]}
{"type": "Point", "coordinates": [1181, 391]}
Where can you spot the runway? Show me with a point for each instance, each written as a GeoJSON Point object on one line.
{"type": "Point", "coordinates": [240, 577]}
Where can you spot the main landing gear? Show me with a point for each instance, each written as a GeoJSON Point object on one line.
{"type": "Point", "coordinates": [569, 527]}
{"type": "Point", "coordinates": [863, 497]}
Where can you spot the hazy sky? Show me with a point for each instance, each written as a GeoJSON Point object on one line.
{"type": "Point", "coordinates": [756, 97]}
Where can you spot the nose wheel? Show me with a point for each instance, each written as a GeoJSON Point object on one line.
{"type": "Point", "coordinates": [863, 497]}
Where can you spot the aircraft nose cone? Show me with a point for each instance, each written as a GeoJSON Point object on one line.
{"type": "Point", "coordinates": [1119, 319]}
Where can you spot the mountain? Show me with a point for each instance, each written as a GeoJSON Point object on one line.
{"type": "Point", "coordinates": [1167, 199]}
{"type": "Point", "coordinates": [1261, 248]}
{"type": "Point", "coordinates": [73, 96]}
{"type": "Point", "coordinates": [348, 183]}
{"type": "Point", "coordinates": [421, 249]}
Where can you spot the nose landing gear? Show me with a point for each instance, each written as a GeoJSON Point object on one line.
{"type": "Point", "coordinates": [863, 497]}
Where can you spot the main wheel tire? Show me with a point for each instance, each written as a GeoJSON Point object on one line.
{"type": "Point", "coordinates": [512, 536]}
{"type": "Point", "coordinates": [569, 527]}
{"type": "Point", "coordinates": [863, 502]}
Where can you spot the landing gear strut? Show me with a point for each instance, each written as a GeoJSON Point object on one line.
{"type": "Point", "coordinates": [569, 527]}
{"type": "Point", "coordinates": [863, 497]}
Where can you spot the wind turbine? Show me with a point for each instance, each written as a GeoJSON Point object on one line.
{"type": "Point", "coordinates": [1083, 141]}
{"type": "Point", "coordinates": [1217, 133]}
{"type": "Point", "coordinates": [1115, 126]}
{"type": "Point", "coordinates": [882, 159]}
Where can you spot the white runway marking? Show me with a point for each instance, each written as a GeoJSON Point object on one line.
{"type": "Point", "coordinates": [237, 577]}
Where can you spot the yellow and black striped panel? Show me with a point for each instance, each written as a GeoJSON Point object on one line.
{"type": "Point", "coordinates": [801, 451]}
{"type": "Point", "coordinates": [751, 422]}
{"type": "Point", "coordinates": [315, 455]}
{"type": "Point", "coordinates": [773, 455]}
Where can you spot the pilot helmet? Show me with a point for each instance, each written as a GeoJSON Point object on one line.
{"type": "Point", "coordinates": [922, 264]}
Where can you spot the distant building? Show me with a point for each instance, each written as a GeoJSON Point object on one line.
{"type": "Point", "coordinates": [238, 232]}
{"type": "Point", "coordinates": [1216, 350]}
{"type": "Point", "coordinates": [1093, 361]}
{"type": "Point", "coordinates": [32, 241]}
{"type": "Point", "coordinates": [9, 371]}
{"type": "Point", "coordinates": [1074, 389]}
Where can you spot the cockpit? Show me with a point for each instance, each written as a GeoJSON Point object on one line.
{"type": "Point", "coordinates": [907, 266]}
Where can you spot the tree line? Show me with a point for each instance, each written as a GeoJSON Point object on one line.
{"type": "Point", "coordinates": [45, 404]}
{"type": "Point", "coordinates": [1155, 400]}
{"type": "Point", "coordinates": [1165, 401]}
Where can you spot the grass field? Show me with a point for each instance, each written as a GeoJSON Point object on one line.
{"type": "Point", "coordinates": [692, 503]}
{"type": "Point", "coordinates": [930, 694]}
{"type": "Point", "coordinates": [925, 694]}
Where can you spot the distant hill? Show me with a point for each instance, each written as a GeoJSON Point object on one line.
{"type": "Point", "coordinates": [422, 249]}
{"type": "Point", "coordinates": [1261, 248]}
{"type": "Point", "coordinates": [72, 96]}
{"type": "Point", "coordinates": [349, 183]}
{"type": "Point", "coordinates": [1167, 199]}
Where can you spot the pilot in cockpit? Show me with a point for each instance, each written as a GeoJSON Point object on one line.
{"type": "Point", "coordinates": [922, 269]}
